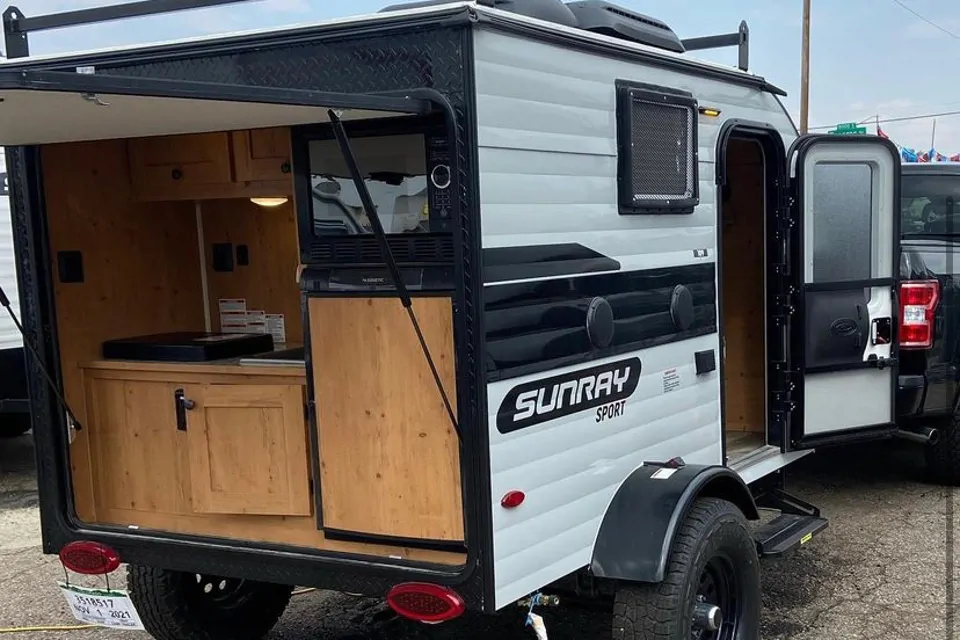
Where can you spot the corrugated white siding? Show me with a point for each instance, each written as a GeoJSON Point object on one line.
{"type": "Point", "coordinates": [9, 336]}
{"type": "Point", "coordinates": [548, 174]}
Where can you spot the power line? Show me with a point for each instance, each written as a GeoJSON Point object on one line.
{"type": "Point", "coordinates": [925, 19]}
{"type": "Point", "coordinates": [872, 120]}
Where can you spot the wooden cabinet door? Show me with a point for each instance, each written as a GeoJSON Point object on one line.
{"type": "Point", "coordinates": [165, 162]}
{"type": "Point", "coordinates": [132, 426]}
{"type": "Point", "coordinates": [262, 154]}
{"type": "Point", "coordinates": [389, 457]}
{"type": "Point", "coordinates": [248, 449]}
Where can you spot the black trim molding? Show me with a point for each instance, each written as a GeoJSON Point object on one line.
{"type": "Point", "coordinates": [543, 261]}
{"type": "Point", "coordinates": [540, 325]}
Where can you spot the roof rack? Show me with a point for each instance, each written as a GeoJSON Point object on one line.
{"type": "Point", "coordinates": [16, 25]}
{"type": "Point", "coordinates": [740, 39]}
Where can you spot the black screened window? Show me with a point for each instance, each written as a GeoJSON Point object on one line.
{"type": "Point", "coordinates": [657, 146]}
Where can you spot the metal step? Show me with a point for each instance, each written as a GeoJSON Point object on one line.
{"type": "Point", "coordinates": [787, 532]}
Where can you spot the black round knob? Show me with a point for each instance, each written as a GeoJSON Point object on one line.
{"type": "Point", "coordinates": [285, 167]}
{"type": "Point", "coordinates": [600, 323]}
{"type": "Point", "coordinates": [681, 308]}
{"type": "Point", "coordinates": [176, 174]}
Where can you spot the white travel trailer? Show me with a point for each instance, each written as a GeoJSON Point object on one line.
{"type": "Point", "coordinates": [14, 415]}
{"type": "Point", "coordinates": [624, 310]}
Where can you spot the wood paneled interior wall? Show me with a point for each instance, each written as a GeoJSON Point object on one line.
{"type": "Point", "coordinates": [269, 282]}
{"type": "Point", "coordinates": [743, 259]}
{"type": "Point", "coordinates": [140, 268]}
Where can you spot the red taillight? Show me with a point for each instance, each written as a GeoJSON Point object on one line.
{"type": "Point", "coordinates": [918, 304]}
{"type": "Point", "coordinates": [89, 558]}
{"type": "Point", "coordinates": [425, 602]}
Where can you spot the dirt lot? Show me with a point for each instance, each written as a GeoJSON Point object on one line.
{"type": "Point", "coordinates": [879, 571]}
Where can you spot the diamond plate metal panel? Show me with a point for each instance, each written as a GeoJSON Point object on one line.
{"type": "Point", "coordinates": [431, 58]}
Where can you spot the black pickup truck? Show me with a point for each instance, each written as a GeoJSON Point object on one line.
{"type": "Point", "coordinates": [929, 387]}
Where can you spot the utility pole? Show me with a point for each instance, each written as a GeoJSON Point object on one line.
{"type": "Point", "coordinates": [805, 70]}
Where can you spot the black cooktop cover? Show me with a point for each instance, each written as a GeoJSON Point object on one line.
{"type": "Point", "coordinates": [188, 346]}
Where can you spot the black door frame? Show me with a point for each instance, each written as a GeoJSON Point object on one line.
{"type": "Point", "coordinates": [775, 171]}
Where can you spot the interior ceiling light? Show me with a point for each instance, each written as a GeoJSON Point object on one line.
{"type": "Point", "coordinates": [269, 202]}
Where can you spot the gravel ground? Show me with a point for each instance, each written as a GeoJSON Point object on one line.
{"type": "Point", "coordinates": [878, 571]}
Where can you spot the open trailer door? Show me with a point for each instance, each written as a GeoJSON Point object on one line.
{"type": "Point", "coordinates": [844, 261]}
{"type": "Point", "coordinates": [47, 107]}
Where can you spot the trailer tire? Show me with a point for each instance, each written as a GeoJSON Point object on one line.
{"type": "Point", "coordinates": [187, 606]}
{"type": "Point", "coordinates": [13, 425]}
{"type": "Point", "coordinates": [713, 556]}
{"type": "Point", "coordinates": [943, 458]}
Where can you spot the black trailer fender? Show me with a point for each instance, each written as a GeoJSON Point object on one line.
{"type": "Point", "coordinates": [638, 529]}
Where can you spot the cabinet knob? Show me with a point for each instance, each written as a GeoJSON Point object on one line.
{"type": "Point", "coordinates": [176, 174]}
{"type": "Point", "coordinates": [285, 167]}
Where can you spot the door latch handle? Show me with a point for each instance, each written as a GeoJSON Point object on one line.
{"type": "Point", "coordinates": [181, 406]}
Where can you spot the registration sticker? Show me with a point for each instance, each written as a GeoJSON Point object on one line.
{"type": "Point", "coordinates": [103, 607]}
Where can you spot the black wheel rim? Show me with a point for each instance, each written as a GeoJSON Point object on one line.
{"type": "Point", "coordinates": [217, 595]}
{"type": "Point", "coordinates": [720, 585]}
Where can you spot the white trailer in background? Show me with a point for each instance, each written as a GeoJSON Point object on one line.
{"type": "Point", "coordinates": [14, 417]}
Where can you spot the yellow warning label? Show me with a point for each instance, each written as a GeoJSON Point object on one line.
{"type": "Point", "coordinates": [425, 212]}
{"type": "Point", "coordinates": [807, 538]}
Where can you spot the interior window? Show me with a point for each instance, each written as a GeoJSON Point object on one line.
{"type": "Point", "coordinates": [928, 204]}
{"type": "Point", "coordinates": [394, 169]}
{"type": "Point", "coordinates": [843, 225]}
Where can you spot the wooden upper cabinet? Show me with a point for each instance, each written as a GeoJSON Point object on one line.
{"type": "Point", "coordinates": [248, 449]}
{"type": "Point", "coordinates": [262, 154]}
{"type": "Point", "coordinates": [169, 162]}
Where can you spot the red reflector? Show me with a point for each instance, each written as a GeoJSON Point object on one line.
{"type": "Point", "coordinates": [89, 558]}
{"type": "Point", "coordinates": [512, 499]}
{"type": "Point", "coordinates": [918, 305]}
{"type": "Point", "coordinates": [425, 602]}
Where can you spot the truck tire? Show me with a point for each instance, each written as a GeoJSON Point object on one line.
{"type": "Point", "coordinates": [943, 458]}
{"type": "Point", "coordinates": [713, 561]}
{"type": "Point", "coordinates": [188, 606]}
{"type": "Point", "coordinates": [13, 425]}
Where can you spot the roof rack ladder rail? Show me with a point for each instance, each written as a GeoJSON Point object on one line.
{"type": "Point", "coordinates": [16, 25]}
{"type": "Point", "coordinates": [740, 39]}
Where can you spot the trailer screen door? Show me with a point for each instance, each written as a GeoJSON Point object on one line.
{"type": "Point", "coordinates": [846, 253]}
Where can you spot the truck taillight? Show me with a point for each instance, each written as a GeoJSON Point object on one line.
{"type": "Point", "coordinates": [918, 304]}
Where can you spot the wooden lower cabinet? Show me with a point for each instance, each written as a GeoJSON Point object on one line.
{"type": "Point", "coordinates": [248, 451]}
{"type": "Point", "coordinates": [233, 448]}
{"type": "Point", "coordinates": [234, 466]}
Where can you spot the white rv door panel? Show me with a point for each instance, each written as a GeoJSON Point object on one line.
{"type": "Point", "coordinates": [847, 252]}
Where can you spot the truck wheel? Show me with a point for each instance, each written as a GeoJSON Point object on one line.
{"type": "Point", "coordinates": [13, 425]}
{"type": "Point", "coordinates": [943, 458]}
{"type": "Point", "coordinates": [713, 563]}
{"type": "Point", "coordinates": [189, 606]}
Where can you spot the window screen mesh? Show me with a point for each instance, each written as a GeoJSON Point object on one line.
{"type": "Point", "coordinates": [661, 149]}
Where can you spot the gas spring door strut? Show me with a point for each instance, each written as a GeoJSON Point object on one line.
{"type": "Point", "coordinates": [381, 236]}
